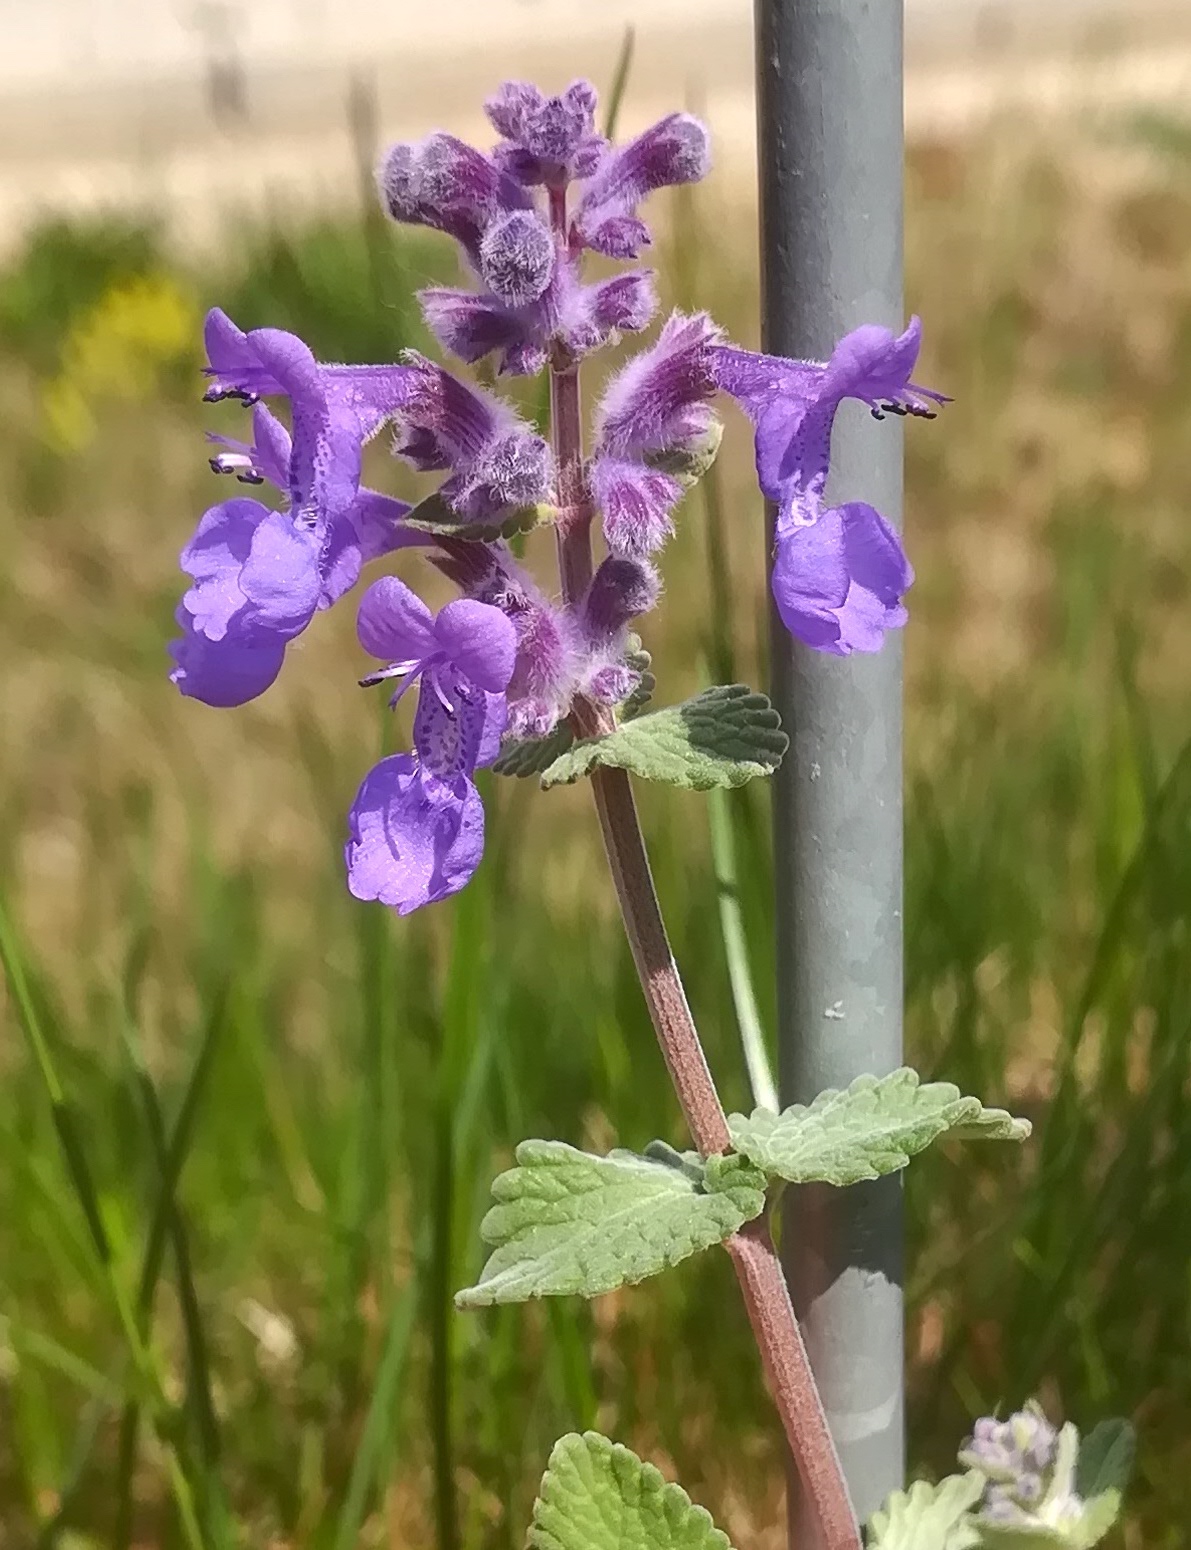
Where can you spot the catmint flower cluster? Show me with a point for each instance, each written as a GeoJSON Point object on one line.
{"type": "Point", "coordinates": [507, 660]}
{"type": "Point", "coordinates": [1030, 1468]}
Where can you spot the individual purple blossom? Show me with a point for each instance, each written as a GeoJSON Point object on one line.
{"type": "Point", "coordinates": [675, 150]}
{"type": "Point", "coordinates": [495, 461]}
{"type": "Point", "coordinates": [548, 140]}
{"type": "Point", "coordinates": [569, 316]}
{"type": "Point", "coordinates": [259, 575]}
{"type": "Point", "coordinates": [654, 419]}
{"type": "Point", "coordinates": [416, 827]}
{"type": "Point", "coordinates": [552, 651]}
{"type": "Point", "coordinates": [442, 183]}
{"type": "Point", "coordinates": [839, 573]}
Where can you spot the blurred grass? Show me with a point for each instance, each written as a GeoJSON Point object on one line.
{"type": "Point", "coordinates": [291, 1105]}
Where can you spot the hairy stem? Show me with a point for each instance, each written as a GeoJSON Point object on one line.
{"type": "Point", "coordinates": [758, 1270]}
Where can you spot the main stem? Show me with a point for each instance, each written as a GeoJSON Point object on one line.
{"type": "Point", "coordinates": [758, 1270]}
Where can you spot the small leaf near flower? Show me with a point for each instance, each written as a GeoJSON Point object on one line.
{"type": "Point", "coordinates": [929, 1517]}
{"type": "Point", "coordinates": [641, 662]}
{"type": "Point", "coordinates": [532, 755]}
{"type": "Point", "coordinates": [725, 736]}
{"type": "Point", "coordinates": [597, 1495]}
{"type": "Point", "coordinates": [872, 1128]}
{"type": "Point", "coordinates": [434, 515]}
{"type": "Point", "coordinates": [567, 1223]}
{"type": "Point", "coordinates": [1105, 1460]}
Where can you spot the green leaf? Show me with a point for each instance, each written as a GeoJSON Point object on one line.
{"type": "Point", "coordinates": [929, 1517]}
{"type": "Point", "coordinates": [532, 755]}
{"type": "Point", "coordinates": [566, 1223]}
{"type": "Point", "coordinates": [874, 1127]}
{"type": "Point", "coordinates": [597, 1495]}
{"type": "Point", "coordinates": [1105, 1460]}
{"type": "Point", "coordinates": [723, 737]}
{"type": "Point", "coordinates": [434, 515]}
{"type": "Point", "coordinates": [640, 661]}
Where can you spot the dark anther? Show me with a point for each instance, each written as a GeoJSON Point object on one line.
{"type": "Point", "coordinates": [215, 395]}
{"type": "Point", "coordinates": [251, 477]}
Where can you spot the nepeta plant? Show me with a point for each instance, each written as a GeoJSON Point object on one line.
{"type": "Point", "coordinates": [556, 686]}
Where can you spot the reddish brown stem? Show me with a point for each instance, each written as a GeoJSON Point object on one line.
{"type": "Point", "coordinates": [763, 1286]}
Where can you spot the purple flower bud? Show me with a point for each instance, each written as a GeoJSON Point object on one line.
{"type": "Point", "coordinates": [442, 183]}
{"type": "Point", "coordinates": [515, 470]}
{"type": "Point", "coordinates": [580, 318]}
{"type": "Point", "coordinates": [517, 257]}
{"type": "Point", "coordinates": [676, 150]}
{"type": "Point", "coordinates": [621, 590]}
{"type": "Point", "coordinates": [496, 460]}
{"type": "Point", "coordinates": [660, 400]}
{"type": "Point", "coordinates": [654, 431]}
{"type": "Point", "coordinates": [549, 139]}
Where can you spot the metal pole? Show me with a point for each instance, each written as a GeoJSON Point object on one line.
{"type": "Point", "coordinates": [829, 87]}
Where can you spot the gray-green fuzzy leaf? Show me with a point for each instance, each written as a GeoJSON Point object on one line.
{"type": "Point", "coordinates": [873, 1127]}
{"type": "Point", "coordinates": [723, 737]}
{"type": "Point", "coordinates": [1082, 1532]}
{"type": "Point", "coordinates": [532, 755]}
{"type": "Point", "coordinates": [434, 515]}
{"type": "Point", "coordinates": [929, 1517]}
{"type": "Point", "coordinates": [567, 1223]}
{"type": "Point", "coordinates": [597, 1495]}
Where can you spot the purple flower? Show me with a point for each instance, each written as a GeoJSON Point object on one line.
{"type": "Point", "coordinates": [577, 318]}
{"type": "Point", "coordinates": [495, 460]}
{"type": "Point", "coordinates": [549, 140]}
{"type": "Point", "coordinates": [653, 426]}
{"type": "Point", "coordinates": [417, 824]}
{"type": "Point", "coordinates": [442, 183]}
{"type": "Point", "coordinates": [839, 573]}
{"type": "Point", "coordinates": [551, 649]}
{"type": "Point", "coordinates": [675, 150]}
{"type": "Point", "coordinates": [260, 575]}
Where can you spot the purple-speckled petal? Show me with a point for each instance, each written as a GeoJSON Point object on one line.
{"type": "Point", "coordinates": [413, 839]}
{"type": "Point", "coordinates": [450, 721]}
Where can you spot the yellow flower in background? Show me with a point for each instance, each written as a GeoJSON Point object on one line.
{"type": "Point", "coordinates": [138, 331]}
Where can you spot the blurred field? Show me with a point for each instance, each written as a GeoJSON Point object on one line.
{"type": "Point", "coordinates": [173, 879]}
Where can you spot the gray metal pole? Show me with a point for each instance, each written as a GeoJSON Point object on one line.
{"type": "Point", "coordinates": [829, 85]}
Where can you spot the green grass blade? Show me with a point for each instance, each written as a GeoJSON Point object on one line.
{"type": "Point", "coordinates": [369, 1463]}
{"type": "Point", "coordinates": [620, 81]}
